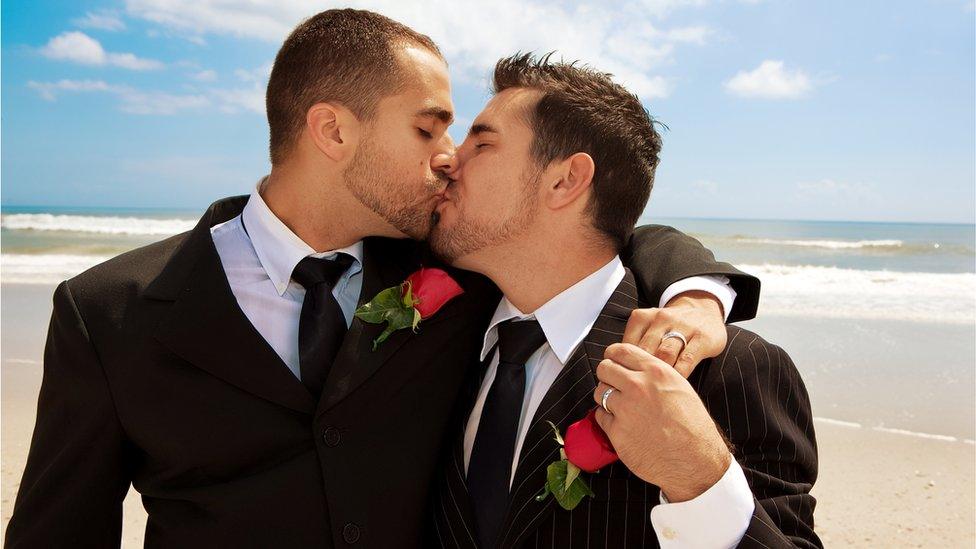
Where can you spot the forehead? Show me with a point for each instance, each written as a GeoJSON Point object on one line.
{"type": "Point", "coordinates": [509, 111]}
{"type": "Point", "coordinates": [426, 83]}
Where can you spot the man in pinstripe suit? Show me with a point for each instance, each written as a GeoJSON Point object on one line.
{"type": "Point", "coordinates": [564, 160]}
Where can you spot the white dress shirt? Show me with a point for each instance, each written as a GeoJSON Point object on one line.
{"type": "Point", "coordinates": [717, 518]}
{"type": "Point", "coordinates": [259, 253]}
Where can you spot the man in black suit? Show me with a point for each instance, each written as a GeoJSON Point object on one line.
{"type": "Point", "coordinates": [221, 372]}
{"type": "Point", "coordinates": [566, 159]}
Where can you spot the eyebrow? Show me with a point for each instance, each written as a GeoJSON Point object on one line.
{"type": "Point", "coordinates": [439, 113]}
{"type": "Point", "coordinates": [481, 128]}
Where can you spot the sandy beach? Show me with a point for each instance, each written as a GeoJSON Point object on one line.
{"type": "Point", "coordinates": [878, 487]}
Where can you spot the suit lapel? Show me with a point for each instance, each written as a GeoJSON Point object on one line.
{"type": "Point", "coordinates": [454, 500]}
{"type": "Point", "coordinates": [206, 326]}
{"type": "Point", "coordinates": [386, 263]}
{"type": "Point", "coordinates": [567, 401]}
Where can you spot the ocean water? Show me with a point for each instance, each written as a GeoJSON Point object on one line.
{"type": "Point", "coordinates": [924, 272]}
{"type": "Point", "coordinates": [879, 317]}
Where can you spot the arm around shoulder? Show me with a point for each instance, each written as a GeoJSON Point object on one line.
{"type": "Point", "coordinates": [660, 256]}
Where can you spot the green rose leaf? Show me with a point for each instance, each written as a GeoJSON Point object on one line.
{"type": "Point", "coordinates": [389, 307]}
{"type": "Point", "coordinates": [382, 307]}
{"type": "Point", "coordinates": [568, 493]}
{"type": "Point", "coordinates": [572, 473]}
{"type": "Point", "coordinates": [408, 298]}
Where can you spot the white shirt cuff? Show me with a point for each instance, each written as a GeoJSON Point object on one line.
{"type": "Point", "coordinates": [717, 518]}
{"type": "Point", "coordinates": [718, 286]}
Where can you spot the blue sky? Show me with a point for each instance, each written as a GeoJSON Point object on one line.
{"type": "Point", "coordinates": [831, 110]}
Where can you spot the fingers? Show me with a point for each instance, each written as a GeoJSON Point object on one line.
{"type": "Point", "coordinates": [615, 375]}
{"type": "Point", "coordinates": [689, 358]}
{"type": "Point", "coordinates": [639, 322]}
{"type": "Point", "coordinates": [646, 328]}
{"type": "Point", "coordinates": [668, 349]}
{"type": "Point", "coordinates": [605, 421]}
{"type": "Point", "coordinates": [629, 356]}
{"type": "Point", "coordinates": [601, 389]}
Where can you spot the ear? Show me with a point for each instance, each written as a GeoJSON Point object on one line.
{"type": "Point", "coordinates": [333, 130]}
{"type": "Point", "coordinates": [571, 180]}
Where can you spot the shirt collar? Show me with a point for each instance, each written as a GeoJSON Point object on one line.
{"type": "Point", "coordinates": [568, 317]}
{"type": "Point", "coordinates": [277, 247]}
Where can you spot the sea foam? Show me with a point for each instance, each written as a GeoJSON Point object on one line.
{"type": "Point", "coordinates": [828, 244]}
{"type": "Point", "coordinates": [786, 290]}
{"type": "Point", "coordinates": [106, 225]}
{"type": "Point", "coordinates": [848, 293]}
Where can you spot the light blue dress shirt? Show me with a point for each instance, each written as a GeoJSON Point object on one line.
{"type": "Point", "coordinates": [259, 252]}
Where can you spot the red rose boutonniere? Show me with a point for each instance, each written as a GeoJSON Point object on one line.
{"type": "Point", "coordinates": [403, 306]}
{"type": "Point", "coordinates": [584, 448]}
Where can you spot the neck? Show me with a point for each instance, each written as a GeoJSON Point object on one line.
{"type": "Point", "coordinates": [320, 211]}
{"type": "Point", "coordinates": [531, 274]}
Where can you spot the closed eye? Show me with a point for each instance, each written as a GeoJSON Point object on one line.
{"type": "Point", "coordinates": [425, 134]}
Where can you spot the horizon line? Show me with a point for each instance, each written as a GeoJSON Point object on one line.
{"type": "Point", "coordinates": [190, 209]}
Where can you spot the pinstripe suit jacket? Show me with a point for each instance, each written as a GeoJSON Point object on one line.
{"type": "Point", "coordinates": [752, 391]}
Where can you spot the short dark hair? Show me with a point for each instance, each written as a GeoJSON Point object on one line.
{"type": "Point", "coordinates": [345, 56]}
{"type": "Point", "coordinates": [583, 110]}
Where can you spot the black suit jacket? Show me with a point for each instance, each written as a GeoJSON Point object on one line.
{"type": "Point", "coordinates": [753, 392]}
{"type": "Point", "coordinates": [154, 376]}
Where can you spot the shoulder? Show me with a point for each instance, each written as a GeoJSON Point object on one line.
{"type": "Point", "coordinates": [749, 361]}
{"type": "Point", "coordinates": [125, 275]}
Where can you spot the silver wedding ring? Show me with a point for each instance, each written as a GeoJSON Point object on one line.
{"type": "Point", "coordinates": [606, 395]}
{"type": "Point", "coordinates": [676, 335]}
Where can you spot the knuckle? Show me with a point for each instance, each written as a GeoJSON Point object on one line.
{"type": "Point", "coordinates": [614, 351]}
{"type": "Point", "coordinates": [658, 370]}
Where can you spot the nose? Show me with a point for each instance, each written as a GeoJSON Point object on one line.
{"type": "Point", "coordinates": [444, 161]}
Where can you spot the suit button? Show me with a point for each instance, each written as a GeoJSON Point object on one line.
{"type": "Point", "coordinates": [350, 533]}
{"type": "Point", "coordinates": [332, 437]}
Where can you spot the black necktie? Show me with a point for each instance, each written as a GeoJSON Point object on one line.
{"type": "Point", "coordinates": [490, 466]}
{"type": "Point", "coordinates": [322, 325]}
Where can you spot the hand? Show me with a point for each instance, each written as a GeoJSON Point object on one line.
{"type": "Point", "coordinates": [659, 427]}
{"type": "Point", "coordinates": [697, 315]}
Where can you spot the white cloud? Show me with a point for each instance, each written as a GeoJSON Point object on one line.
{"type": "Point", "coordinates": [629, 41]}
{"type": "Point", "coordinates": [207, 75]}
{"type": "Point", "coordinates": [258, 74]}
{"type": "Point", "coordinates": [104, 20]}
{"type": "Point", "coordinates": [78, 47]}
{"type": "Point", "coordinates": [770, 80]}
{"type": "Point", "coordinates": [161, 103]}
{"type": "Point", "coordinates": [49, 90]}
{"type": "Point", "coordinates": [130, 61]}
{"type": "Point", "coordinates": [132, 100]}
{"type": "Point", "coordinates": [234, 100]}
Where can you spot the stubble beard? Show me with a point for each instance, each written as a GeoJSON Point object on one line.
{"type": "Point", "coordinates": [383, 193]}
{"type": "Point", "coordinates": [468, 236]}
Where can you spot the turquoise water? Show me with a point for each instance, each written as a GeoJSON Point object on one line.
{"type": "Point", "coordinates": [921, 272]}
{"type": "Point", "coordinates": [904, 247]}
